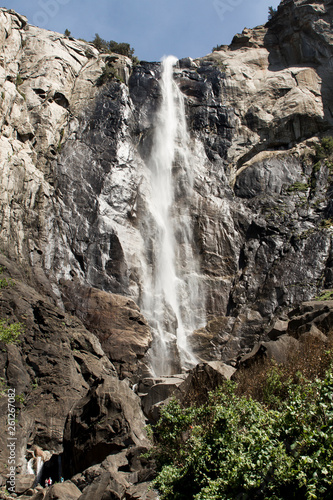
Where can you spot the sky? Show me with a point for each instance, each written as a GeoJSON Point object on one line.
{"type": "Point", "coordinates": [154, 28]}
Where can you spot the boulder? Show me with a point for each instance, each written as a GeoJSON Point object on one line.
{"type": "Point", "coordinates": [62, 491]}
{"type": "Point", "coordinates": [117, 474]}
{"type": "Point", "coordinates": [107, 420]}
{"type": "Point", "coordinates": [24, 482]}
{"type": "Point", "coordinates": [158, 390]}
{"type": "Point", "coordinates": [313, 335]}
{"type": "Point", "coordinates": [104, 487]}
{"type": "Point", "coordinates": [315, 313]}
{"type": "Point", "coordinates": [279, 328]}
{"type": "Point", "coordinates": [141, 491]}
{"type": "Point", "coordinates": [189, 388]}
{"type": "Point", "coordinates": [278, 350]}
{"type": "Point", "coordinates": [203, 378]}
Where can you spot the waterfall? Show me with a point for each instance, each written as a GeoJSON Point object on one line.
{"type": "Point", "coordinates": [35, 467]}
{"type": "Point", "coordinates": [172, 294]}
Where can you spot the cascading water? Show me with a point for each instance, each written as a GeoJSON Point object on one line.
{"type": "Point", "coordinates": [172, 298]}
{"type": "Point", "coordinates": [35, 467]}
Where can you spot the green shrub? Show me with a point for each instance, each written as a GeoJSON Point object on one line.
{"type": "Point", "coordinates": [119, 48]}
{"type": "Point", "coordinates": [109, 72]}
{"type": "Point", "coordinates": [327, 145]}
{"type": "Point", "coordinates": [19, 80]}
{"type": "Point", "coordinates": [298, 186]}
{"type": "Point", "coordinates": [4, 282]}
{"type": "Point", "coordinates": [9, 333]}
{"type": "Point", "coordinates": [326, 295]}
{"type": "Point", "coordinates": [271, 12]}
{"type": "Point", "coordinates": [234, 447]}
{"type": "Point", "coordinates": [67, 32]}
{"type": "Point", "coordinates": [217, 48]}
{"type": "Point", "coordinates": [3, 387]}
{"type": "Point", "coordinates": [326, 223]}
{"type": "Point", "coordinates": [324, 149]}
{"type": "Point", "coordinates": [268, 435]}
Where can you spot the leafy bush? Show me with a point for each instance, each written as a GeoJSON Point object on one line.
{"type": "Point", "coordinates": [235, 447]}
{"type": "Point", "coordinates": [9, 333]}
{"type": "Point", "coordinates": [326, 223]}
{"type": "Point", "coordinates": [326, 295]}
{"type": "Point", "coordinates": [108, 73]}
{"type": "Point", "coordinates": [327, 144]}
{"type": "Point", "coordinates": [324, 149]}
{"type": "Point", "coordinates": [119, 48]}
{"type": "Point", "coordinates": [4, 282]}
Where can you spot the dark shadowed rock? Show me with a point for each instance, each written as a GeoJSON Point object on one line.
{"type": "Point", "coordinates": [116, 475]}
{"type": "Point", "coordinates": [316, 313]}
{"type": "Point", "coordinates": [104, 487]}
{"type": "Point", "coordinates": [203, 378]}
{"type": "Point", "coordinates": [107, 420]}
{"type": "Point", "coordinates": [59, 367]}
{"type": "Point", "coordinates": [279, 328]}
{"type": "Point", "coordinates": [278, 350]}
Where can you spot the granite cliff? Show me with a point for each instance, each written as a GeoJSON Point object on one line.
{"type": "Point", "coordinates": [75, 219]}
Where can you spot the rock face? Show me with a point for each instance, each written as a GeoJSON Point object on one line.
{"type": "Point", "coordinates": [76, 214]}
{"type": "Point", "coordinates": [59, 369]}
{"type": "Point", "coordinates": [75, 179]}
{"type": "Point", "coordinates": [116, 321]}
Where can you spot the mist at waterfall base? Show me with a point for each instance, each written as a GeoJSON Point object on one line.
{"type": "Point", "coordinates": [172, 293]}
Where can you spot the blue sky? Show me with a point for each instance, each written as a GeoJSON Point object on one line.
{"type": "Point", "coordinates": [154, 28]}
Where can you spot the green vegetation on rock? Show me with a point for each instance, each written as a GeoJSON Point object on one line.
{"type": "Point", "coordinates": [274, 444]}
{"type": "Point", "coordinates": [326, 295]}
{"type": "Point", "coordinates": [217, 48]}
{"type": "Point", "coordinates": [298, 186]}
{"type": "Point", "coordinates": [107, 47]}
{"type": "Point", "coordinates": [324, 149]}
{"type": "Point", "coordinates": [9, 333]}
{"type": "Point", "coordinates": [271, 12]}
{"type": "Point", "coordinates": [108, 73]}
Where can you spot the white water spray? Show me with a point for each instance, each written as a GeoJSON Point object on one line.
{"type": "Point", "coordinates": [35, 467]}
{"type": "Point", "coordinates": [172, 290]}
